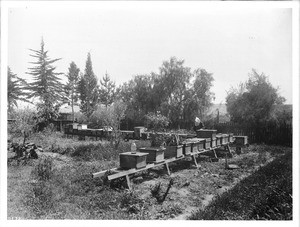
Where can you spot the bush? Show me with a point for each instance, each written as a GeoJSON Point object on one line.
{"type": "Point", "coordinates": [44, 169]}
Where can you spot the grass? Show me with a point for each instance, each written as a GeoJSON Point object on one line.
{"type": "Point", "coordinates": [62, 187]}
{"type": "Point", "coordinates": [265, 195]}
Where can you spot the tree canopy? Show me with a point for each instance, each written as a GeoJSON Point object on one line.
{"type": "Point", "coordinates": [88, 89]}
{"type": "Point", "coordinates": [15, 90]}
{"type": "Point", "coordinates": [46, 85]}
{"type": "Point", "coordinates": [253, 101]}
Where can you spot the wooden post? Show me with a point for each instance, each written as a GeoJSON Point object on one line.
{"type": "Point", "coordinates": [128, 182]}
{"type": "Point", "coordinates": [215, 153]}
{"type": "Point", "coordinates": [195, 161]}
{"type": "Point", "coordinates": [167, 167]}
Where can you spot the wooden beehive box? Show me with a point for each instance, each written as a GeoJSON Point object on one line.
{"type": "Point", "coordinates": [241, 140]}
{"type": "Point", "coordinates": [81, 126]}
{"type": "Point", "coordinates": [207, 133]}
{"type": "Point", "coordinates": [174, 151]}
{"type": "Point", "coordinates": [155, 154]}
{"type": "Point", "coordinates": [207, 144]}
{"type": "Point", "coordinates": [213, 143]}
{"type": "Point", "coordinates": [225, 138]}
{"type": "Point", "coordinates": [231, 138]}
{"type": "Point", "coordinates": [138, 132]}
{"type": "Point", "coordinates": [187, 148]}
{"type": "Point", "coordinates": [219, 139]}
{"type": "Point", "coordinates": [129, 160]}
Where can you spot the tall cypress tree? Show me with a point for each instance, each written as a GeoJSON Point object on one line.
{"type": "Point", "coordinates": [46, 85]}
{"type": "Point", "coordinates": [107, 90]}
{"type": "Point", "coordinates": [71, 86]}
{"type": "Point", "coordinates": [88, 89]}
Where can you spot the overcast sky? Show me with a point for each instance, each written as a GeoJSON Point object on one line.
{"type": "Point", "coordinates": [127, 39]}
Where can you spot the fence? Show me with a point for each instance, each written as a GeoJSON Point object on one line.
{"type": "Point", "coordinates": [268, 133]}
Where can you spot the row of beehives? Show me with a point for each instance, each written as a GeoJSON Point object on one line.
{"type": "Point", "coordinates": [206, 140]}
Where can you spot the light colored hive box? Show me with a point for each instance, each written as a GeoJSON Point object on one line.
{"type": "Point", "coordinates": [201, 144]}
{"type": "Point", "coordinates": [187, 148]}
{"type": "Point", "coordinates": [225, 138]}
{"type": "Point", "coordinates": [219, 139]}
{"type": "Point", "coordinates": [207, 133]}
{"type": "Point", "coordinates": [207, 143]}
{"type": "Point", "coordinates": [81, 126]}
{"type": "Point", "coordinates": [173, 151]}
{"type": "Point", "coordinates": [231, 138]}
{"type": "Point", "coordinates": [213, 143]}
{"type": "Point", "coordinates": [131, 161]}
{"type": "Point", "coordinates": [241, 140]}
{"type": "Point", "coordinates": [155, 154]}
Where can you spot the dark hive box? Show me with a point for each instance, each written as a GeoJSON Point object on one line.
{"type": "Point", "coordinates": [130, 161]}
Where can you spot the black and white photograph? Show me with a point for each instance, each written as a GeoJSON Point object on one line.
{"type": "Point", "coordinates": [150, 110]}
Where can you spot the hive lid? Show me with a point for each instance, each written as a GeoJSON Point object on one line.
{"type": "Point", "coordinates": [138, 154]}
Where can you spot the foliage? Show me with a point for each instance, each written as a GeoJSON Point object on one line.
{"type": "Point", "coordinates": [254, 101]}
{"type": "Point", "coordinates": [271, 186]}
{"type": "Point", "coordinates": [25, 124]}
{"type": "Point", "coordinates": [157, 122]}
{"type": "Point", "coordinates": [107, 90]}
{"type": "Point", "coordinates": [15, 90]}
{"type": "Point", "coordinates": [44, 169]}
{"type": "Point", "coordinates": [175, 91]}
{"type": "Point", "coordinates": [71, 88]}
{"type": "Point", "coordinates": [88, 89]}
{"type": "Point", "coordinates": [46, 85]}
{"type": "Point", "coordinates": [110, 116]}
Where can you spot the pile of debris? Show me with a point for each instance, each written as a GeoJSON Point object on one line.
{"type": "Point", "coordinates": [25, 151]}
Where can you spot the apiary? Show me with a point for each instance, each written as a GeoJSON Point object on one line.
{"type": "Point", "coordinates": [207, 133]}
{"type": "Point", "coordinates": [130, 160]}
{"type": "Point", "coordinates": [174, 151]}
{"type": "Point", "coordinates": [155, 154]}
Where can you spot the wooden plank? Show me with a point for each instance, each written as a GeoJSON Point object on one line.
{"type": "Point", "coordinates": [102, 173]}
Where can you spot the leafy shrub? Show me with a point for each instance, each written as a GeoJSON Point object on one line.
{"type": "Point", "coordinates": [44, 169]}
{"type": "Point", "coordinates": [157, 122]}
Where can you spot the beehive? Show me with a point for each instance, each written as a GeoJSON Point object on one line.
{"type": "Point", "coordinates": [129, 160]}
{"type": "Point", "coordinates": [241, 140]}
{"type": "Point", "coordinates": [219, 139]}
{"type": "Point", "coordinates": [187, 148]}
{"type": "Point", "coordinates": [155, 154]}
{"type": "Point", "coordinates": [174, 151]}
{"type": "Point", "coordinates": [213, 143]}
{"type": "Point", "coordinates": [207, 143]}
{"type": "Point", "coordinates": [207, 133]}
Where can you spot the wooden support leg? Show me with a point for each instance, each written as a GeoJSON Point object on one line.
{"type": "Point", "coordinates": [167, 167]}
{"type": "Point", "coordinates": [128, 182]}
{"type": "Point", "coordinates": [195, 161]}
{"type": "Point", "coordinates": [215, 154]}
{"type": "Point", "coordinates": [229, 151]}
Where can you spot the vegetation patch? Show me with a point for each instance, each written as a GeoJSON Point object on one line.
{"type": "Point", "coordinates": [266, 194]}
